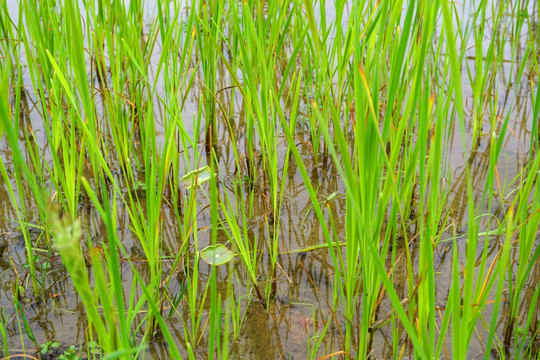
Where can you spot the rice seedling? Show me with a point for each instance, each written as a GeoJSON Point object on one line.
{"type": "Point", "coordinates": [3, 332]}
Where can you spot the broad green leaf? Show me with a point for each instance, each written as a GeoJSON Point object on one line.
{"type": "Point", "coordinates": [216, 254]}
{"type": "Point", "coordinates": [197, 177]}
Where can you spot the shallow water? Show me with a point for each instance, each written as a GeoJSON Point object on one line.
{"type": "Point", "coordinates": [304, 281]}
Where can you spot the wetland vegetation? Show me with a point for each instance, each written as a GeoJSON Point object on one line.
{"type": "Point", "coordinates": [280, 179]}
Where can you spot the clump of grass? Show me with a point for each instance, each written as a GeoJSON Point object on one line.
{"type": "Point", "coordinates": [373, 91]}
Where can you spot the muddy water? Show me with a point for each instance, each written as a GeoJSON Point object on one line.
{"type": "Point", "coordinates": [304, 280]}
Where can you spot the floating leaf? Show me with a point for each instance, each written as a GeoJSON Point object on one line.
{"type": "Point", "coordinates": [216, 254]}
{"type": "Point", "coordinates": [197, 177]}
{"type": "Point", "coordinates": [139, 185]}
